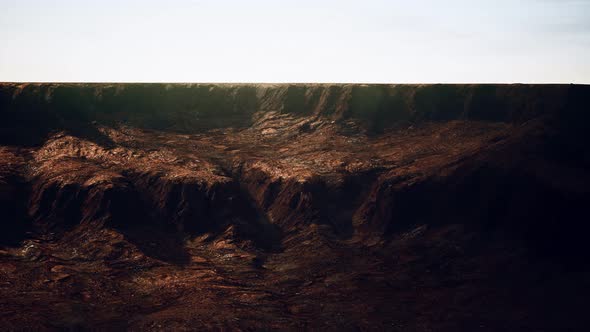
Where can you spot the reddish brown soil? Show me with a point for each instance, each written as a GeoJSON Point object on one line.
{"type": "Point", "coordinates": [297, 220]}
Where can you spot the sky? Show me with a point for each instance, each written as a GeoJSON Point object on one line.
{"type": "Point", "coordinates": [364, 41]}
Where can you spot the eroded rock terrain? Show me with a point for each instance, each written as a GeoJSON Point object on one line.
{"type": "Point", "coordinates": [289, 207]}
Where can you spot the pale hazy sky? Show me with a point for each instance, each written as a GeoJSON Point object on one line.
{"type": "Point", "coordinates": [295, 40]}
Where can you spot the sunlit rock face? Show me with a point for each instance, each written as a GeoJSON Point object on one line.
{"type": "Point", "coordinates": [253, 206]}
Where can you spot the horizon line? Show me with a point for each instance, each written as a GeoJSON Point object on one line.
{"type": "Point", "coordinates": [293, 83]}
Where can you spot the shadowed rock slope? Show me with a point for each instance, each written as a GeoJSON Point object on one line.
{"type": "Point", "coordinates": [259, 206]}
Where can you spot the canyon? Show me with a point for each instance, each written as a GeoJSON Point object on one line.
{"type": "Point", "coordinates": [294, 206]}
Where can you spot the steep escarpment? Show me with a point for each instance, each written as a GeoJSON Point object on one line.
{"type": "Point", "coordinates": [388, 207]}
{"type": "Point", "coordinates": [198, 107]}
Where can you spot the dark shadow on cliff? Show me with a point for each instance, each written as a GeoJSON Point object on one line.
{"type": "Point", "coordinates": [158, 242]}
{"type": "Point", "coordinates": [14, 224]}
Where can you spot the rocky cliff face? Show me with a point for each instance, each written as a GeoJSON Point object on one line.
{"type": "Point", "coordinates": [388, 207]}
